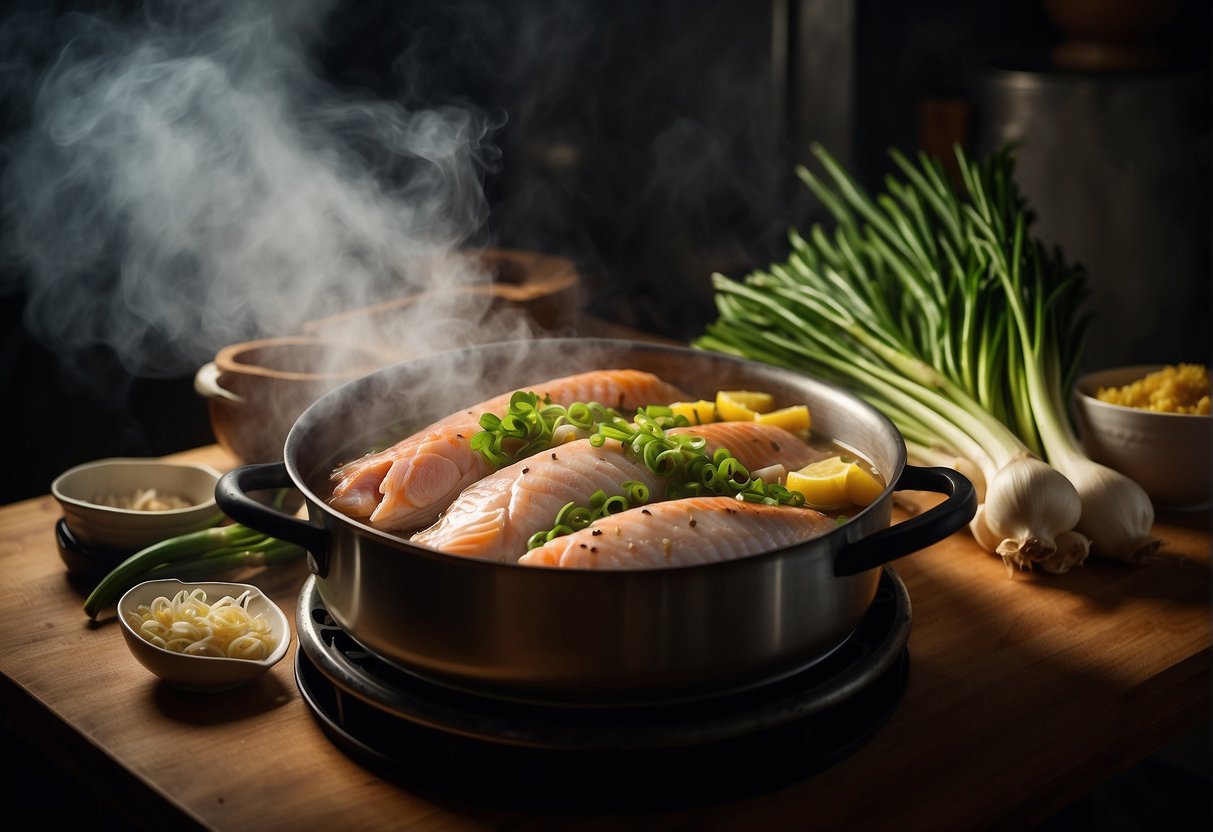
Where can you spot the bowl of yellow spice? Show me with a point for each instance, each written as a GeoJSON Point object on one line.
{"type": "Point", "coordinates": [1151, 423]}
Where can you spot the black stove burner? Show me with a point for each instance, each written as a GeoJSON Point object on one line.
{"type": "Point", "coordinates": [634, 757]}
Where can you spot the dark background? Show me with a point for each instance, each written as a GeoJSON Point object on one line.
{"type": "Point", "coordinates": [651, 143]}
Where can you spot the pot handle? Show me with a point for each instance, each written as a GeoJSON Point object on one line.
{"type": "Point", "coordinates": [206, 384]}
{"type": "Point", "coordinates": [918, 532]}
{"type": "Point", "coordinates": [232, 495]}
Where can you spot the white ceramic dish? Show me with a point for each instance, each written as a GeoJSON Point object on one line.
{"type": "Point", "coordinates": [79, 489]}
{"type": "Point", "coordinates": [1170, 455]}
{"type": "Point", "coordinates": [201, 674]}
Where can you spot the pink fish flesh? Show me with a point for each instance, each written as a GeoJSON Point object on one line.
{"type": "Point", "coordinates": [407, 485]}
{"type": "Point", "coordinates": [495, 517]}
{"type": "Point", "coordinates": [682, 532]}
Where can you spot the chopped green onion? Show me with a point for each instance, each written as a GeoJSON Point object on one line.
{"type": "Point", "coordinates": [528, 426]}
{"type": "Point", "coordinates": [636, 493]}
{"type": "Point", "coordinates": [679, 458]}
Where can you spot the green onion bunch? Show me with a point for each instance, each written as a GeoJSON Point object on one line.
{"type": "Point", "coordinates": [932, 301]}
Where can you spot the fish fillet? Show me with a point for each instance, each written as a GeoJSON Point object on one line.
{"type": "Point", "coordinates": [496, 516]}
{"type": "Point", "coordinates": [757, 445]}
{"type": "Point", "coordinates": [683, 532]}
{"type": "Point", "coordinates": [407, 485]}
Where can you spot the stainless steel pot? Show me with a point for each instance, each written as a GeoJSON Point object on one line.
{"type": "Point", "coordinates": [587, 636]}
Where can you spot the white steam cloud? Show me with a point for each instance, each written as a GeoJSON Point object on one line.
{"type": "Point", "coordinates": [187, 180]}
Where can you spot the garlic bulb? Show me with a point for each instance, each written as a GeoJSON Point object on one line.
{"type": "Point", "coordinates": [1116, 512]}
{"type": "Point", "coordinates": [1072, 548]}
{"type": "Point", "coordinates": [1029, 505]}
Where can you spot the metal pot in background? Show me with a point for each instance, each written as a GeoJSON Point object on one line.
{"type": "Point", "coordinates": [1115, 163]}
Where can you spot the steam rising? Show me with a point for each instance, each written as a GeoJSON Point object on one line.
{"type": "Point", "coordinates": [188, 181]}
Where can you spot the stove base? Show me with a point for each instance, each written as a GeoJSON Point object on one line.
{"type": "Point", "coordinates": [634, 758]}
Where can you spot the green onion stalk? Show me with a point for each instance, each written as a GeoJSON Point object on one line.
{"type": "Point", "coordinates": [199, 554]}
{"type": "Point", "coordinates": [905, 303]}
{"type": "Point", "coordinates": [1044, 297]}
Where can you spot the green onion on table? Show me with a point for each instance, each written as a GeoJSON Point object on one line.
{"type": "Point", "coordinates": [196, 554]}
{"type": "Point", "coordinates": [935, 305]}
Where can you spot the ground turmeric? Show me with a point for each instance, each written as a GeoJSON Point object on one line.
{"type": "Point", "coordinates": [1180, 388]}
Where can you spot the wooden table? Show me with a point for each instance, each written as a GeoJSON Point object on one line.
{"type": "Point", "coordinates": [1024, 694]}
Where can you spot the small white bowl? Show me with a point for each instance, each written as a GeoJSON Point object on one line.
{"type": "Point", "coordinates": [1168, 454]}
{"type": "Point", "coordinates": [94, 524]}
{"type": "Point", "coordinates": [201, 674]}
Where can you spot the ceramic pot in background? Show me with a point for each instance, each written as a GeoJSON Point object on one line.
{"type": "Point", "coordinates": [255, 390]}
{"type": "Point", "coordinates": [526, 293]}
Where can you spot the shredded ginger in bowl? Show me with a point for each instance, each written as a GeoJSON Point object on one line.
{"type": "Point", "coordinates": [188, 624]}
{"type": "Point", "coordinates": [1181, 388]}
{"type": "Point", "coordinates": [144, 499]}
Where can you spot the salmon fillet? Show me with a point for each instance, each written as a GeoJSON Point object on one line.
{"type": "Point", "coordinates": [496, 516]}
{"type": "Point", "coordinates": [407, 485]}
{"type": "Point", "coordinates": [682, 532]}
